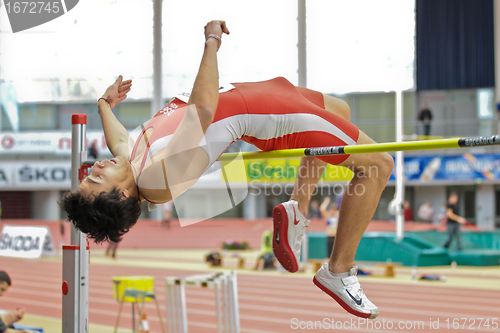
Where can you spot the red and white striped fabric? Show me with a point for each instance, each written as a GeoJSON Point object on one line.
{"type": "Point", "coordinates": [271, 115]}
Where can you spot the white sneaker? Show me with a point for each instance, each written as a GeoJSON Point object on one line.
{"type": "Point", "coordinates": [346, 290]}
{"type": "Point", "coordinates": [289, 230]}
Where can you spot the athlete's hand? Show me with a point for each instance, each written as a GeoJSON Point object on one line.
{"type": "Point", "coordinates": [117, 92]}
{"type": "Point", "coordinates": [216, 28]}
{"type": "Point", "coordinates": [19, 313]}
{"type": "Point", "coordinates": [11, 317]}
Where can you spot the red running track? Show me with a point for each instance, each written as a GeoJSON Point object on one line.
{"type": "Point", "coordinates": [149, 234]}
{"type": "Point", "coordinates": [268, 304]}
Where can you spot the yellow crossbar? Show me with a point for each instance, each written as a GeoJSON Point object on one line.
{"type": "Point", "coordinates": [369, 148]}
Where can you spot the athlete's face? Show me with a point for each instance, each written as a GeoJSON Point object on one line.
{"type": "Point", "coordinates": [108, 174]}
{"type": "Point", "coordinates": [453, 200]}
{"type": "Point", "coordinates": [4, 286]}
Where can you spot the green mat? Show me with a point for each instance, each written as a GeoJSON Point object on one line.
{"type": "Point", "coordinates": [423, 248]}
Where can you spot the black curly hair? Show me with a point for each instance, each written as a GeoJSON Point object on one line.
{"type": "Point", "coordinates": [107, 216]}
{"type": "Point", "coordinates": [4, 277]}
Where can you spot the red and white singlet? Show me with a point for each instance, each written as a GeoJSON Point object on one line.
{"type": "Point", "coordinates": [270, 115]}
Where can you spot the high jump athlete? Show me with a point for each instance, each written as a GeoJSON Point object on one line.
{"type": "Point", "coordinates": [271, 115]}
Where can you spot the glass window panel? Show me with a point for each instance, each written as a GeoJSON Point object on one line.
{"type": "Point", "coordinates": [78, 54]}
{"type": "Point", "coordinates": [132, 115]}
{"type": "Point", "coordinates": [485, 107]}
{"type": "Point", "coordinates": [360, 45]}
{"type": "Point", "coordinates": [66, 110]}
{"type": "Point", "coordinates": [37, 117]}
{"type": "Point", "coordinates": [262, 43]}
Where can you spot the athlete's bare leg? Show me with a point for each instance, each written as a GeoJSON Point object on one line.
{"type": "Point", "coordinates": [309, 173]}
{"type": "Point", "coordinates": [371, 173]}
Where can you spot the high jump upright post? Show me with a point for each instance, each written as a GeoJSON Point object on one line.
{"type": "Point", "coordinates": [399, 171]}
{"type": "Point", "coordinates": [75, 285]}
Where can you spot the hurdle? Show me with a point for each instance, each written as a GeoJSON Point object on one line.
{"type": "Point", "coordinates": [464, 142]}
{"type": "Point", "coordinates": [226, 301]}
{"type": "Point", "coordinates": [75, 284]}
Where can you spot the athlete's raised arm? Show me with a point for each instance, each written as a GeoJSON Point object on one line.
{"type": "Point", "coordinates": [205, 93]}
{"type": "Point", "coordinates": [115, 133]}
{"type": "Point", "coordinates": [185, 158]}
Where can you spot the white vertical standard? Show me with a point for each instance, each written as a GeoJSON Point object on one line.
{"type": "Point", "coordinates": [302, 42]}
{"type": "Point", "coordinates": [496, 18]}
{"type": "Point", "coordinates": [400, 185]}
{"type": "Point", "coordinates": [157, 100]}
{"type": "Point", "coordinates": [76, 255]}
{"type": "Point", "coordinates": [156, 104]}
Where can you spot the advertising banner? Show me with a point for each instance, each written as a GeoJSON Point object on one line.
{"type": "Point", "coordinates": [453, 168]}
{"type": "Point", "coordinates": [33, 175]}
{"type": "Point", "coordinates": [25, 242]}
{"type": "Point", "coordinates": [422, 168]}
{"type": "Point", "coordinates": [57, 143]}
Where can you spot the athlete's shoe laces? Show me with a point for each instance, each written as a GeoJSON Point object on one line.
{"type": "Point", "coordinates": [346, 290]}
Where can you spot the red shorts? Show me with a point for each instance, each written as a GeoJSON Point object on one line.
{"type": "Point", "coordinates": [296, 116]}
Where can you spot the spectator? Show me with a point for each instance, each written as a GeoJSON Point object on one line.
{"type": "Point", "coordinates": [314, 211]}
{"type": "Point", "coordinates": [426, 212]}
{"type": "Point", "coordinates": [62, 229]}
{"type": "Point", "coordinates": [92, 151]}
{"type": "Point", "coordinates": [454, 221]}
{"type": "Point", "coordinates": [266, 261]}
{"type": "Point", "coordinates": [8, 318]}
{"type": "Point", "coordinates": [167, 214]}
{"type": "Point", "coordinates": [111, 249]}
{"type": "Point", "coordinates": [339, 196]}
{"type": "Point", "coordinates": [5, 282]}
{"type": "Point", "coordinates": [407, 211]}
{"type": "Point", "coordinates": [425, 118]}
{"type": "Point", "coordinates": [330, 213]}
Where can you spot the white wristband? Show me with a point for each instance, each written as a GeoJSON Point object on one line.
{"type": "Point", "coordinates": [215, 37]}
